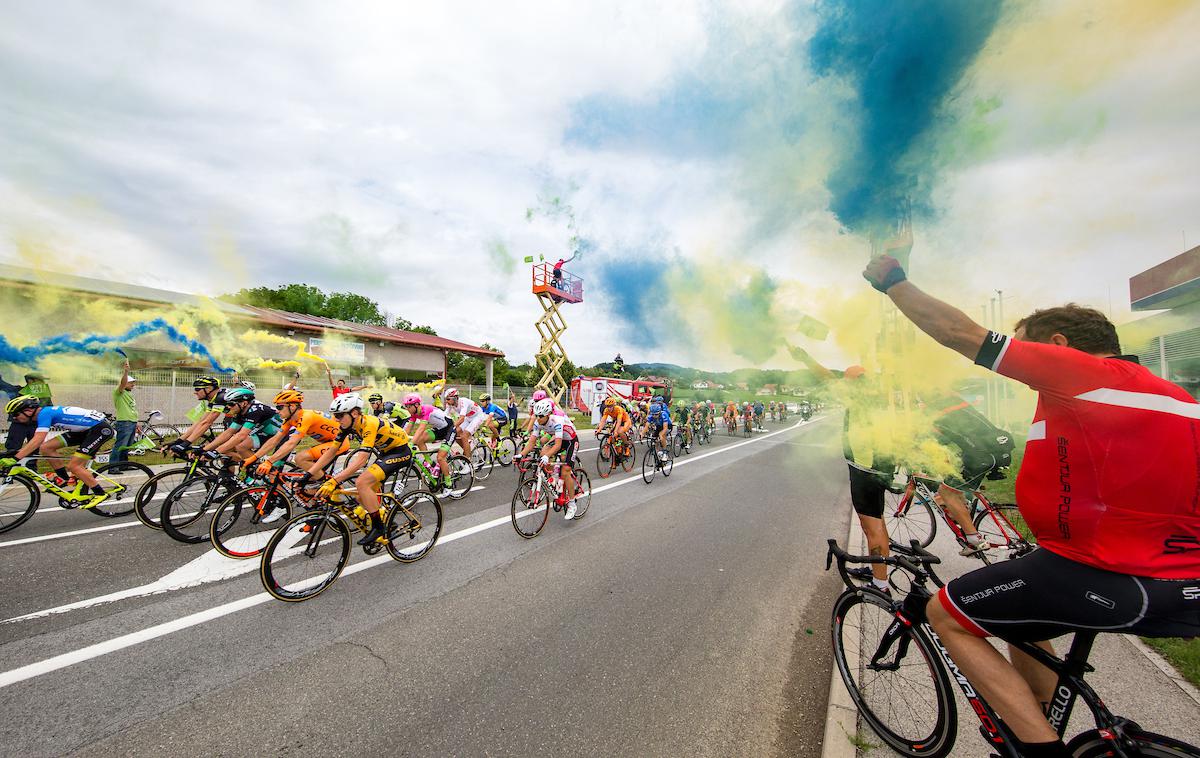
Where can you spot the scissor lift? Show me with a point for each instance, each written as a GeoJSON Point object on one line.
{"type": "Point", "coordinates": [553, 288]}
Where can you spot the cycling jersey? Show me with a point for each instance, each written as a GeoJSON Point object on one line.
{"type": "Point", "coordinates": [259, 418]}
{"type": "Point", "coordinates": [435, 417]}
{"type": "Point", "coordinates": [1111, 473]}
{"type": "Point", "coordinates": [559, 427]}
{"type": "Point", "coordinates": [217, 402]}
{"type": "Point", "coordinates": [464, 408]}
{"type": "Point", "coordinates": [618, 415]}
{"type": "Point", "coordinates": [682, 415]}
{"type": "Point", "coordinates": [496, 412]}
{"type": "Point", "coordinates": [658, 415]}
{"type": "Point", "coordinates": [376, 433]}
{"type": "Point", "coordinates": [67, 418]}
{"type": "Point", "coordinates": [393, 411]}
{"type": "Point", "coordinates": [309, 423]}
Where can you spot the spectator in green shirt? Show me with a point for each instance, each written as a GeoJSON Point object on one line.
{"type": "Point", "coordinates": [36, 385]}
{"type": "Point", "coordinates": [126, 408]}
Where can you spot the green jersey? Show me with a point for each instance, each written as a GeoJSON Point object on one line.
{"type": "Point", "coordinates": [125, 405]}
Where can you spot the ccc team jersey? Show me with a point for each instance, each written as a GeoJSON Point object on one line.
{"type": "Point", "coordinates": [1111, 474]}
{"type": "Point", "coordinates": [309, 423]}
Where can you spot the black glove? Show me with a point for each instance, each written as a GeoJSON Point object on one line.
{"type": "Point", "coordinates": [885, 273]}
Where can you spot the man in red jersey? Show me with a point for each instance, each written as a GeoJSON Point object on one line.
{"type": "Point", "coordinates": [1109, 484]}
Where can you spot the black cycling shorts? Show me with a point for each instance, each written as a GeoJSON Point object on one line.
{"type": "Point", "coordinates": [866, 491]}
{"type": "Point", "coordinates": [1042, 595]}
{"type": "Point", "coordinates": [392, 461]}
{"type": "Point", "coordinates": [91, 440]}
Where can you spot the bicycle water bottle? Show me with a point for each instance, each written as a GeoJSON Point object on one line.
{"type": "Point", "coordinates": [360, 515]}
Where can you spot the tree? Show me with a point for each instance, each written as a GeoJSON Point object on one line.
{"type": "Point", "coordinates": [310, 300]}
{"type": "Point", "coordinates": [405, 325]}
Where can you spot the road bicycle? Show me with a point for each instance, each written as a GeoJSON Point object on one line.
{"type": "Point", "coordinates": [913, 515]}
{"type": "Point", "coordinates": [613, 455]}
{"type": "Point", "coordinates": [306, 555]}
{"type": "Point", "coordinates": [187, 510]}
{"type": "Point", "coordinates": [700, 433]}
{"type": "Point", "coordinates": [652, 462]}
{"type": "Point", "coordinates": [680, 442]}
{"type": "Point", "coordinates": [503, 452]}
{"type": "Point", "coordinates": [151, 433]}
{"type": "Point", "coordinates": [21, 490]}
{"type": "Point", "coordinates": [899, 674]}
{"type": "Point", "coordinates": [730, 425]}
{"type": "Point", "coordinates": [541, 491]}
{"type": "Point", "coordinates": [147, 504]}
{"type": "Point", "coordinates": [746, 430]}
{"type": "Point", "coordinates": [423, 471]}
{"type": "Point", "coordinates": [245, 520]}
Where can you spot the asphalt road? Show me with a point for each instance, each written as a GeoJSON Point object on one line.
{"type": "Point", "coordinates": [685, 617]}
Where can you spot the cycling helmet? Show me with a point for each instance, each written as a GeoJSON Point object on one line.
{"type": "Point", "coordinates": [485, 398]}
{"type": "Point", "coordinates": [539, 395]}
{"type": "Point", "coordinates": [238, 394]}
{"type": "Point", "coordinates": [289, 396]}
{"type": "Point", "coordinates": [375, 397]}
{"type": "Point", "coordinates": [609, 402]}
{"type": "Point", "coordinates": [411, 398]}
{"type": "Point", "coordinates": [248, 385]}
{"type": "Point", "coordinates": [543, 407]}
{"type": "Point", "coordinates": [205, 382]}
{"type": "Point", "coordinates": [21, 403]}
{"type": "Point", "coordinates": [657, 399]}
{"type": "Point", "coordinates": [344, 403]}
{"type": "Point", "coordinates": [450, 395]}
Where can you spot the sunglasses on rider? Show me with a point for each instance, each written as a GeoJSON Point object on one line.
{"type": "Point", "coordinates": [340, 414]}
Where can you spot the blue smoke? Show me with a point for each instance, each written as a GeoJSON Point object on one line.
{"type": "Point", "coordinates": [95, 344]}
{"type": "Point", "coordinates": [902, 60]}
{"type": "Point", "coordinates": [634, 283]}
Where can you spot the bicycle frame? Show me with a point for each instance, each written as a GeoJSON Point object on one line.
{"type": "Point", "coordinates": [49, 486]}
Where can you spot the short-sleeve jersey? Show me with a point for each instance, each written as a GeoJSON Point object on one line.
{"type": "Point", "coordinates": [260, 418]}
{"type": "Point", "coordinates": [435, 417]}
{"type": "Point", "coordinates": [310, 423]}
{"type": "Point", "coordinates": [618, 415]}
{"type": "Point", "coordinates": [495, 412]}
{"type": "Point", "coordinates": [559, 427]}
{"type": "Point", "coordinates": [67, 418]}
{"type": "Point", "coordinates": [464, 408]}
{"type": "Point", "coordinates": [376, 433]}
{"type": "Point", "coordinates": [1111, 473]}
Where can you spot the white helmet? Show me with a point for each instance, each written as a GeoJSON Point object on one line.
{"type": "Point", "coordinates": [248, 385]}
{"type": "Point", "coordinates": [451, 395]}
{"type": "Point", "coordinates": [343, 403]}
{"type": "Point", "coordinates": [543, 407]}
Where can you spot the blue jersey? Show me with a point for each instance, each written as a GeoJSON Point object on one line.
{"type": "Point", "coordinates": [496, 412]}
{"type": "Point", "coordinates": [660, 413]}
{"type": "Point", "coordinates": [67, 418]}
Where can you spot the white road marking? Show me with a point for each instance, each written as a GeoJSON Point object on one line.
{"type": "Point", "coordinates": [60, 535]}
{"type": "Point", "coordinates": [99, 649]}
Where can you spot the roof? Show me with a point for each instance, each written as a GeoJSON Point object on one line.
{"type": "Point", "coordinates": [1168, 285]}
{"type": "Point", "coordinates": [285, 319]}
{"type": "Point", "coordinates": [305, 322]}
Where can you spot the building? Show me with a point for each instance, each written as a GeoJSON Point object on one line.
{"type": "Point", "coordinates": [1167, 342]}
{"type": "Point", "coordinates": [351, 349]}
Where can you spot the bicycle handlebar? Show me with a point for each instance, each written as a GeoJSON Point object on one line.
{"type": "Point", "coordinates": [914, 560]}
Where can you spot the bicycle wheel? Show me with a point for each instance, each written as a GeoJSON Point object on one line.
{"type": "Point", "coordinates": [19, 500]}
{"type": "Point", "coordinates": [481, 461]}
{"type": "Point", "coordinates": [187, 510]}
{"type": "Point", "coordinates": [628, 458]}
{"type": "Point", "coordinates": [305, 556]}
{"type": "Point", "coordinates": [147, 503]}
{"type": "Point", "coordinates": [122, 481]}
{"type": "Point", "coordinates": [604, 453]}
{"type": "Point", "coordinates": [530, 507]}
{"type": "Point", "coordinates": [649, 466]}
{"type": "Point", "coordinates": [1092, 744]}
{"type": "Point", "coordinates": [909, 519]}
{"type": "Point", "coordinates": [238, 529]}
{"type": "Point", "coordinates": [463, 474]}
{"type": "Point", "coordinates": [413, 525]}
{"type": "Point", "coordinates": [999, 532]}
{"type": "Point", "coordinates": [668, 463]}
{"type": "Point", "coordinates": [606, 459]}
{"type": "Point", "coordinates": [506, 449]}
{"type": "Point", "coordinates": [584, 482]}
{"type": "Point", "coordinates": [893, 675]}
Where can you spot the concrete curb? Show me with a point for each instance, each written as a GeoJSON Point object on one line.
{"type": "Point", "coordinates": [1162, 665]}
{"type": "Point", "coordinates": [841, 716]}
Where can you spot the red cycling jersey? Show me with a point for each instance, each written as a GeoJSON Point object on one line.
{"type": "Point", "coordinates": [1111, 473]}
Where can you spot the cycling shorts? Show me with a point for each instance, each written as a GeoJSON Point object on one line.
{"type": "Point", "coordinates": [390, 462]}
{"type": "Point", "coordinates": [866, 491]}
{"type": "Point", "coordinates": [316, 451]}
{"type": "Point", "coordinates": [444, 436]}
{"type": "Point", "coordinates": [567, 452]}
{"type": "Point", "coordinates": [88, 441]}
{"type": "Point", "coordinates": [1042, 595]}
{"type": "Point", "coordinates": [472, 424]}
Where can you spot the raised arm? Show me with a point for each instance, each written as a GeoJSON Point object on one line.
{"type": "Point", "coordinates": [802, 355]}
{"type": "Point", "coordinates": [942, 321]}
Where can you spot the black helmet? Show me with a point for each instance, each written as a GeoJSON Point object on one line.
{"type": "Point", "coordinates": [205, 382]}
{"type": "Point", "coordinates": [375, 397]}
{"type": "Point", "coordinates": [21, 403]}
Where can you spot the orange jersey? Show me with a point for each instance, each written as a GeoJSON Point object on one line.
{"type": "Point", "coordinates": [309, 423]}
{"type": "Point", "coordinates": [618, 415]}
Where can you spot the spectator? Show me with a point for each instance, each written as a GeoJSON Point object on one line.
{"type": "Point", "coordinates": [513, 411]}
{"type": "Point", "coordinates": [126, 408]}
{"type": "Point", "coordinates": [340, 387]}
{"type": "Point", "coordinates": [11, 390]}
{"type": "Point", "coordinates": [20, 432]}
{"type": "Point", "coordinates": [36, 385]}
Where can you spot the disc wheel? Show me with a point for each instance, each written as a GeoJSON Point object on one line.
{"type": "Point", "coordinates": [530, 507]}
{"type": "Point", "coordinates": [122, 481]}
{"type": "Point", "coordinates": [413, 525]}
{"type": "Point", "coordinates": [305, 556]}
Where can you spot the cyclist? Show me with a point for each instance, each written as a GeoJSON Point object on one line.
{"type": "Point", "coordinates": [747, 413]}
{"type": "Point", "coordinates": [683, 416]}
{"type": "Point", "coordinates": [616, 417]}
{"type": "Point", "coordinates": [249, 423]}
{"type": "Point", "coordinates": [88, 430]}
{"type": "Point", "coordinates": [658, 423]}
{"type": "Point", "coordinates": [771, 409]}
{"type": "Point", "coordinates": [430, 424]}
{"type": "Point", "coordinates": [563, 442]}
{"type": "Point", "coordinates": [390, 411]}
{"type": "Point", "coordinates": [731, 413]}
{"type": "Point", "coordinates": [759, 409]}
{"type": "Point", "coordinates": [467, 415]}
{"type": "Point", "coordinates": [495, 417]}
{"type": "Point", "coordinates": [387, 441]}
{"type": "Point", "coordinates": [1108, 486]}
{"type": "Point", "coordinates": [212, 399]}
{"type": "Point", "coordinates": [540, 395]}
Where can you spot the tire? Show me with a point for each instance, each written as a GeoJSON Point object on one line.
{"type": "Point", "coordinates": [414, 524]}
{"type": "Point", "coordinates": [917, 689]}
{"type": "Point", "coordinates": [584, 482]}
{"type": "Point", "coordinates": [289, 568]}
{"type": "Point", "coordinates": [147, 503]}
{"type": "Point", "coordinates": [1092, 744]}
{"type": "Point", "coordinates": [606, 459]}
{"type": "Point", "coordinates": [648, 466]}
{"type": "Point", "coordinates": [530, 507]}
{"type": "Point", "coordinates": [237, 529]}
{"type": "Point", "coordinates": [1005, 540]}
{"type": "Point", "coordinates": [668, 464]}
{"type": "Point", "coordinates": [126, 479]}
{"type": "Point", "coordinates": [506, 449]}
{"type": "Point", "coordinates": [19, 500]}
{"type": "Point", "coordinates": [917, 522]}
{"type": "Point", "coordinates": [187, 512]}
{"type": "Point", "coordinates": [463, 477]}
{"type": "Point", "coordinates": [481, 461]}
{"type": "Point", "coordinates": [629, 459]}
{"type": "Point", "coordinates": [163, 434]}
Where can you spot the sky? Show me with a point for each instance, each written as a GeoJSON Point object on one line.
{"type": "Point", "coordinates": [719, 166]}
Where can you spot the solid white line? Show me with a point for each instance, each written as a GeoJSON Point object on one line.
{"type": "Point", "coordinates": [99, 649]}
{"type": "Point", "coordinates": [60, 535]}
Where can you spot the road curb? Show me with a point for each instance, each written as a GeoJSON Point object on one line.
{"type": "Point", "coordinates": [841, 717]}
{"type": "Point", "coordinates": [1164, 666]}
